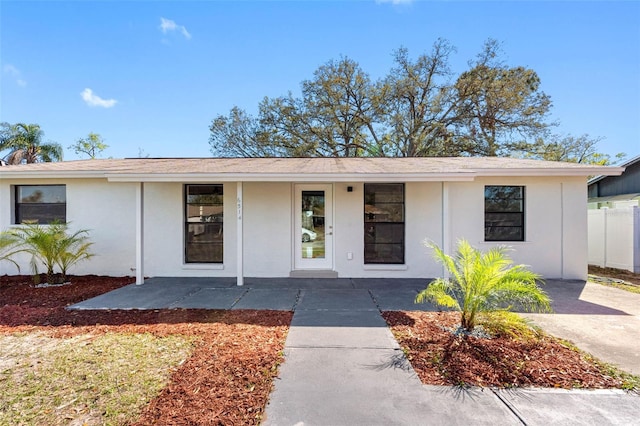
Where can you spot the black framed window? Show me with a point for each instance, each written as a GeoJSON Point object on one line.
{"type": "Point", "coordinates": [504, 213]}
{"type": "Point", "coordinates": [203, 224]}
{"type": "Point", "coordinates": [42, 204]}
{"type": "Point", "coordinates": [384, 223]}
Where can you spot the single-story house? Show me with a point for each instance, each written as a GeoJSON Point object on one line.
{"type": "Point", "coordinates": [616, 191]}
{"type": "Point", "coordinates": [305, 217]}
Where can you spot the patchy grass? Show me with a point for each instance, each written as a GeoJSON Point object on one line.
{"type": "Point", "coordinates": [231, 359]}
{"type": "Point", "coordinates": [104, 379]}
{"type": "Point", "coordinates": [617, 278]}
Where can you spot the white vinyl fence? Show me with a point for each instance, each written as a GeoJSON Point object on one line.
{"type": "Point", "coordinates": [614, 238]}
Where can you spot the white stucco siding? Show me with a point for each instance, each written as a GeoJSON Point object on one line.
{"type": "Point", "coordinates": [423, 220]}
{"type": "Point", "coordinates": [348, 224]}
{"type": "Point", "coordinates": [574, 228]}
{"type": "Point", "coordinates": [105, 209]}
{"type": "Point", "coordinates": [555, 229]}
{"type": "Point", "coordinates": [555, 226]}
{"type": "Point", "coordinates": [268, 229]}
{"type": "Point", "coordinates": [164, 233]}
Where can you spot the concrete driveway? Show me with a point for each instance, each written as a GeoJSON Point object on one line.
{"type": "Point", "coordinates": [601, 320]}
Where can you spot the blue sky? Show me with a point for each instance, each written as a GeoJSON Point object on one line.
{"type": "Point", "coordinates": [151, 75]}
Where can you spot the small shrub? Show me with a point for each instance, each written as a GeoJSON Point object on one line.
{"type": "Point", "coordinates": [504, 323]}
{"type": "Point", "coordinates": [483, 282]}
{"type": "Point", "coordinates": [50, 245]}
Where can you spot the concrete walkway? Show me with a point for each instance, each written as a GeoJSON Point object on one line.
{"type": "Point", "coordinates": [343, 367]}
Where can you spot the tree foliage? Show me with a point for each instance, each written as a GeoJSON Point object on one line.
{"type": "Point", "coordinates": [91, 146]}
{"type": "Point", "coordinates": [573, 149]}
{"type": "Point", "coordinates": [420, 108]}
{"type": "Point", "coordinates": [499, 105]}
{"type": "Point", "coordinates": [483, 282]}
{"type": "Point", "coordinates": [25, 145]}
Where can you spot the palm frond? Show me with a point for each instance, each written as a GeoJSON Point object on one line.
{"type": "Point", "coordinates": [439, 292]}
{"type": "Point", "coordinates": [483, 282]}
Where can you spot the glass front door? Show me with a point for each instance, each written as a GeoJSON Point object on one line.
{"type": "Point", "coordinates": [313, 227]}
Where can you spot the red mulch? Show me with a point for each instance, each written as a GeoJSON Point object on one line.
{"type": "Point", "coordinates": [441, 358]}
{"type": "Point", "coordinates": [227, 379]}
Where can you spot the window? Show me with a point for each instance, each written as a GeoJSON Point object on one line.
{"type": "Point", "coordinates": [204, 224]}
{"type": "Point", "coordinates": [384, 223]}
{"type": "Point", "coordinates": [40, 204]}
{"type": "Point", "coordinates": [504, 213]}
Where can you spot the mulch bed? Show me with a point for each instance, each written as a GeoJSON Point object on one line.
{"type": "Point", "coordinates": [619, 274]}
{"type": "Point", "coordinates": [440, 358]}
{"type": "Point", "coordinates": [227, 379]}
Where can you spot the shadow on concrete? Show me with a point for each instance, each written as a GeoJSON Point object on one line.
{"type": "Point", "coordinates": [565, 299]}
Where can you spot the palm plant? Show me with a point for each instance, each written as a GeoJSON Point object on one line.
{"type": "Point", "coordinates": [41, 242]}
{"type": "Point", "coordinates": [8, 244]}
{"type": "Point", "coordinates": [483, 282]}
{"type": "Point", "coordinates": [24, 142]}
{"type": "Point", "coordinates": [73, 249]}
{"type": "Point", "coordinates": [51, 245]}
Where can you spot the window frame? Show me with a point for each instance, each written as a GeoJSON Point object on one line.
{"type": "Point", "coordinates": [519, 214]}
{"type": "Point", "coordinates": [217, 222]}
{"type": "Point", "coordinates": [18, 212]}
{"type": "Point", "coordinates": [374, 225]}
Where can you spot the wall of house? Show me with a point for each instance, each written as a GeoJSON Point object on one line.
{"type": "Point", "coordinates": [555, 223]}
{"type": "Point", "coordinates": [423, 221]}
{"type": "Point", "coordinates": [627, 183]}
{"type": "Point", "coordinates": [267, 229]}
{"type": "Point", "coordinates": [164, 233]}
{"type": "Point", "coordinates": [107, 210]}
{"type": "Point", "coordinates": [555, 217]}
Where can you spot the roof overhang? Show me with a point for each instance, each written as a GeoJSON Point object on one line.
{"type": "Point", "coordinates": [303, 170]}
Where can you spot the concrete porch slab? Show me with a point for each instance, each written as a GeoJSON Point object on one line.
{"type": "Point", "coordinates": [401, 299]}
{"type": "Point", "coordinates": [352, 299]}
{"type": "Point", "coordinates": [279, 299]}
{"type": "Point", "coordinates": [146, 296]}
{"type": "Point", "coordinates": [211, 298]}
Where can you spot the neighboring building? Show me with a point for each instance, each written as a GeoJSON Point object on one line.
{"type": "Point", "coordinates": [616, 191]}
{"type": "Point", "coordinates": [242, 217]}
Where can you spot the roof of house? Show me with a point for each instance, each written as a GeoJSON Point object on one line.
{"type": "Point", "coordinates": [626, 164]}
{"type": "Point", "coordinates": [304, 169]}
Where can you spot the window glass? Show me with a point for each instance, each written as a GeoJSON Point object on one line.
{"type": "Point", "coordinates": [504, 213]}
{"type": "Point", "coordinates": [42, 204]}
{"type": "Point", "coordinates": [384, 227]}
{"type": "Point", "coordinates": [204, 213]}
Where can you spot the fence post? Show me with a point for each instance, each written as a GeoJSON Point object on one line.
{"type": "Point", "coordinates": [604, 234]}
{"type": "Point", "coordinates": [636, 240]}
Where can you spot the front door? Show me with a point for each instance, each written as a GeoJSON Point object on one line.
{"type": "Point", "coordinates": [313, 226]}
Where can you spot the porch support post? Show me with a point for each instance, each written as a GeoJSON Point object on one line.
{"type": "Point", "coordinates": [140, 233]}
{"type": "Point", "coordinates": [239, 232]}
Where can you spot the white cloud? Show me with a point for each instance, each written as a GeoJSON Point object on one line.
{"type": "Point", "coordinates": [93, 100]}
{"type": "Point", "coordinates": [15, 73]}
{"type": "Point", "coordinates": [167, 25]}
